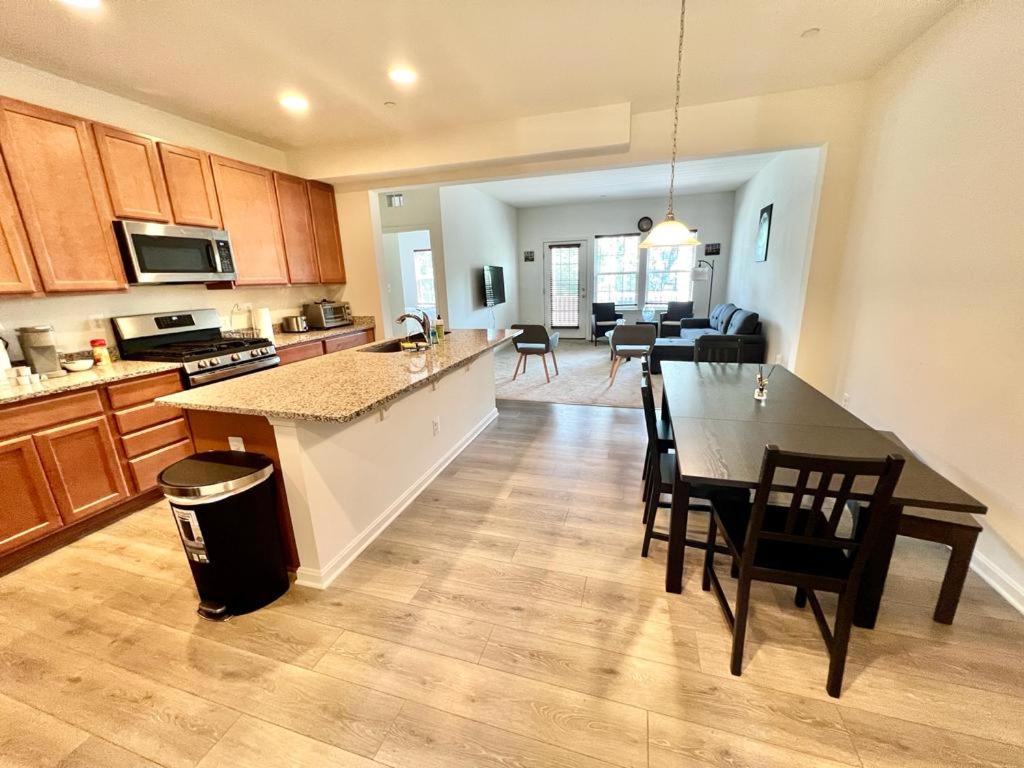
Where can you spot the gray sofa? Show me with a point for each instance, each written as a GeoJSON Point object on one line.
{"type": "Point", "coordinates": [725, 320]}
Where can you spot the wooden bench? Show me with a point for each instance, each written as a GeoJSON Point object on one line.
{"type": "Point", "coordinates": [957, 530]}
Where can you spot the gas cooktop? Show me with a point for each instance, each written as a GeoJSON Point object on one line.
{"type": "Point", "coordinates": [194, 339]}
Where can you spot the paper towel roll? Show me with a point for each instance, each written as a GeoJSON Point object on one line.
{"type": "Point", "coordinates": [264, 324]}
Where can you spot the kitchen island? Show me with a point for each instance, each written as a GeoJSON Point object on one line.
{"type": "Point", "coordinates": [356, 435]}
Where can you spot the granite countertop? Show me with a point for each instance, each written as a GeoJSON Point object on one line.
{"type": "Point", "coordinates": [95, 376]}
{"type": "Point", "coordinates": [342, 386]}
{"type": "Point", "coordinates": [284, 339]}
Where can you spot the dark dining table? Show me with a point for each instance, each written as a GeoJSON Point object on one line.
{"type": "Point", "coordinates": [720, 433]}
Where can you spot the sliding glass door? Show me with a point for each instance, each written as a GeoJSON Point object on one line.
{"type": "Point", "coordinates": [565, 289]}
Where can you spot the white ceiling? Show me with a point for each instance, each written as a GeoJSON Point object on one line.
{"type": "Point", "coordinates": [224, 62]}
{"type": "Point", "coordinates": [713, 174]}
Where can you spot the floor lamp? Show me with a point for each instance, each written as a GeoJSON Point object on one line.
{"type": "Point", "coordinates": [706, 271]}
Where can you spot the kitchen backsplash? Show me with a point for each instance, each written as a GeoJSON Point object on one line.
{"type": "Point", "coordinates": [78, 318]}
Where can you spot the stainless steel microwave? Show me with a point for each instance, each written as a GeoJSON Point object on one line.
{"type": "Point", "coordinates": [168, 253]}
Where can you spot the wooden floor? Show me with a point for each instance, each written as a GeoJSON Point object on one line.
{"type": "Point", "coordinates": [505, 620]}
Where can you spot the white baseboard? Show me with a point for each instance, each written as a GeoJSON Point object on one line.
{"type": "Point", "coordinates": [1011, 590]}
{"type": "Point", "coordinates": [324, 577]}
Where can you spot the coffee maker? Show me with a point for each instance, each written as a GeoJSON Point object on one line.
{"type": "Point", "coordinates": [40, 350]}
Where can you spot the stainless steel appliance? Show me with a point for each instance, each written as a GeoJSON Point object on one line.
{"type": "Point", "coordinates": [294, 324]}
{"type": "Point", "coordinates": [328, 314]}
{"type": "Point", "coordinates": [168, 253]}
{"type": "Point", "coordinates": [40, 350]}
{"type": "Point", "coordinates": [192, 338]}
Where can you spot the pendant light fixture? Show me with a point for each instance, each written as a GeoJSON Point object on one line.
{"type": "Point", "coordinates": [670, 232]}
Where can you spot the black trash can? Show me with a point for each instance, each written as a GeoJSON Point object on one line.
{"type": "Point", "coordinates": [225, 506]}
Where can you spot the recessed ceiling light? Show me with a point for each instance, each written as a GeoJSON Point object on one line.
{"type": "Point", "coordinates": [88, 5]}
{"type": "Point", "coordinates": [403, 76]}
{"type": "Point", "coordinates": [810, 32]}
{"type": "Point", "coordinates": [389, 103]}
{"type": "Point", "coordinates": [294, 102]}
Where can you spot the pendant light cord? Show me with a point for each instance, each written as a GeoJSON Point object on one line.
{"type": "Point", "coordinates": [675, 112]}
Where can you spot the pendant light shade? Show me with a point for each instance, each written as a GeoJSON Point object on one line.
{"type": "Point", "coordinates": [671, 233]}
{"type": "Point", "coordinates": [668, 234]}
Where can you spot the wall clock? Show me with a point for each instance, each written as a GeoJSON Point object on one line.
{"type": "Point", "coordinates": [645, 224]}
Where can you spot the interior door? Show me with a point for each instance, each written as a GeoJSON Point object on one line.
{"type": "Point", "coordinates": [565, 289]}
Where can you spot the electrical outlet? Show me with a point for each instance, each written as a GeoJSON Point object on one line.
{"type": "Point", "coordinates": [236, 443]}
{"type": "Point", "coordinates": [437, 425]}
{"type": "Point", "coordinates": [778, 359]}
{"type": "Point", "coordinates": [96, 321]}
{"type": "Point", "coordinates": [846, 400]}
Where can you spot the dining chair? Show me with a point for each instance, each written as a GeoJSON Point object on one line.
{"type": "Point", "coordinates": [629, 341]}
{"type": "Point", "coordinates": [659, 433]}
{"type": "Point", "coordinates": [717, 349]}
{"type": "Point", "coordinates": [603, 319]}
{"type": "Point", "coordinates": [660, 476]}
{"type": "Point", "coordinates": [535, 340]}
{"type": "Point", "coordinates": [801, 544]}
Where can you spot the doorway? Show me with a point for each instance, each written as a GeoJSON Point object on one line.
{"type": "Point", "coordinates": [408, 274]}
{"type": "Point", "coordinates": [566, 281]}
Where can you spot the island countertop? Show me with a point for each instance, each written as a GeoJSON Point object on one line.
{"type": "Point", "coordinates": [341, 386]}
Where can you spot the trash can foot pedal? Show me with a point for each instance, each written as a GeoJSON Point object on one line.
{"type": "Point", "coordinates": [213, 611]}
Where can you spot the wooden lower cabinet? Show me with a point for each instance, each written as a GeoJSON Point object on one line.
{"type": "Point", "coordinates": [338, 343]}
{"type": "Point", "coordinates": [27, 508]}
{"type": "Point", "coordinates": [298, 352]}
{"type": "Point", "coordinates": [83, 467]}
{"type": "Point", "coordinates": [147, 468]}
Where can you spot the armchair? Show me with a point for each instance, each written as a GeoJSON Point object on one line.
{"type": "Point", "coordinates": [672, 319]}
{"type": "Point", "coordinates": [603, 319]}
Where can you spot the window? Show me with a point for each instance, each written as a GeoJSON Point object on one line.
{"type": "Point", "coordinates": [423, 272]}
{"type": "Point", "coordinates": [669, 275]}
{"type": "Point", "coordinates": [616, 269]}
{"type": "Point", "coordinates": [564, 287]}
{"type": "Point", "coordinates": [637, 278]}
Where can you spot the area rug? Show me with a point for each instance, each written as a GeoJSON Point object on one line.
{"type": "Point", "coordinates": [583, 377]}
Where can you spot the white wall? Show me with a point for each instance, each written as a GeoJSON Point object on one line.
{"type": "Point", "coordinates": [710, 214]}
{"type": "Point", "coordinates": [775, 288]}
{"type": "Point", "coordinates": [931, 320]}
{"type": "Point", "coordinates": [478, 231]}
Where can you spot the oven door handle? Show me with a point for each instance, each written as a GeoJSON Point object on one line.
{"type": "Point", "coordinates": [197, 379]}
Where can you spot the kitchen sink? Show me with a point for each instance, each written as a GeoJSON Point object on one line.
{"type": "Point", "coordinates": [395, 345]}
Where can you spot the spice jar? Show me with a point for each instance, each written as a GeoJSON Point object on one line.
{"type": "Point", "coordinates": [100, 353]}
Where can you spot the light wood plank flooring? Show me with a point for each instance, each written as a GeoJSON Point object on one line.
{"type": "Point", "coordinates": [505, 620]}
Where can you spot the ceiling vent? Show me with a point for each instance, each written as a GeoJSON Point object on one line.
{"type": "Point", "coordinates": [395, 201]}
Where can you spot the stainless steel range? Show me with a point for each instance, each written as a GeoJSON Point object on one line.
{"type": "Point", "coordinates": [194, 339]}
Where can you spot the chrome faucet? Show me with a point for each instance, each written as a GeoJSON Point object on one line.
{"type": "Point", "coordinates": [422, 318]}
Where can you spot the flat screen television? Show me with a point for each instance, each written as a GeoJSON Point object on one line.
{"type": "Point", "coordinates": [492, 286]}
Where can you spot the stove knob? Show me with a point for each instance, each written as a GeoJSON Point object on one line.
{"type": "Point", "coordinates": [214, 361]}
{"type": "Point", "coordinates": [254, 353]}
{"type": "Point", "coordinates": [236, 356]}
{"type": "Point", "coordinates": [263, 351]}
{"type": "Point", "coordinates": [202, 363]}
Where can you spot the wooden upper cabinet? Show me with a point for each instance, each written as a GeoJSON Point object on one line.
{"type": "Point", "coordinates": [58, 183]}
{"type": "Point", "coordinates": [16, 270]}
{"type": "Point", "coordinates": [135, 179]}
{"type": "Point", "coordinates": [297, 226]}
{"type": "Point", "coordinates": [326, 232]}
{"type": "Point", "coordinates": [27, 509]}
{"type": "Point", "coordinates": [248, 206]}
{"type": "Point", "coordinates": [82, 465]}
{"type": "Point", "coordinates": [190, 185]}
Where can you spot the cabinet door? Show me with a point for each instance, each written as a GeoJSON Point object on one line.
{"type": "Point", "coordinates": [248, 206]}
{"type": "Point", "coordinates": [27, 510]}
{"type": "Point", "coordinates": [297, 226]}
{"type": "Point", "coordinates": [16, 273]}
{"type": "Point", "coordinates": [190, 185]}
{"type": "Point", "coordinates": [58, 183]}
{"type": "Point", "coordinates": [135, 179]}
{"type": "Point", "coordinates": [327, 232]}
{"type": "Point", "coordinates": [81, 462]}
